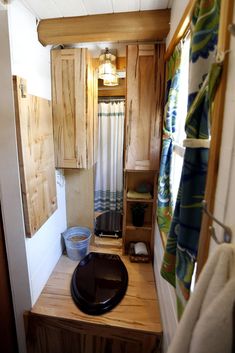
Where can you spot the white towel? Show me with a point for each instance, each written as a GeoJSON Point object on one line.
{"type": "Point", "coordinates": [207, 325]}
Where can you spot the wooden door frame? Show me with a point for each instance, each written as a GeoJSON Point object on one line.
{"type": "Point", "coordinates": [8, 341]}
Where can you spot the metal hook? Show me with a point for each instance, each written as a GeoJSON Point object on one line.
{"type": "Point", "coordinates": [227, 230]}
{"type": "Point", "coordinates": [231, 29]}
{"type": "Point", "coordinates": [220, 56]}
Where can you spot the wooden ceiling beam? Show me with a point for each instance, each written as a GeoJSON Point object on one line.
{"type": "Point", "coordinates": [126, 26]}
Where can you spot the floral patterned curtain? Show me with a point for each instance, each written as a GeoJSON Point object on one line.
{"type": "Point", "coordinates": [182, 244]}
{"type": "Point", "coordinates": [165, 203]}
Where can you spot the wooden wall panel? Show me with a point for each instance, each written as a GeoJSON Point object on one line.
{"type": "Point", "coordinates": [112, 91]}
{"type": "Point", "coordinates": [53, 335]}
{"type": "Point", "coordinates": [80, 197]}
{"type": "Point", "coordinates": [36, 156]}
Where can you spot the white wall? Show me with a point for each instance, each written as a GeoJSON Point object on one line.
{"type": "Point", "coordinates": [10, 189]}
{"type": "Point", "coordinates": [177, 10]}
{"type": "Point", "coordinates": [30, 60]}
{"type": "Point", "coordinates": [44, 248]}
{"type": "Point", "coordinates": [166, 292]}
{"type": "Point", "coordinates": [225, 191]}
{"type": "Point", "coordinates": [2, 6]}
{"type": "Point", "coordinates": [30, 260]}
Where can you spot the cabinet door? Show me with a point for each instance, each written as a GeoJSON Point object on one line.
{"type": "Point", "coordinates": [69, 74]}
{"type": "Point", "coordinates": [36, 156]}
{"type": "Point", "coordinates": [144, 105]}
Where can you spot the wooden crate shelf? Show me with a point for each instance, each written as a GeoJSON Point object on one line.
{"type": "Point", "coordinates": [140, 200]}
{"type": "Point", "coordinates": [143, 128]}
{"type": "Point", "coordinates": [145, 233]}
{"type": "Point", "coordinates": [144, 227]}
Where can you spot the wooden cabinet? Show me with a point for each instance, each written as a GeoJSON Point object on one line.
{"type": "Point", "coordinates": [144, 106]}
{"type": "Point", "coordinates": [54, 335]}
{"type": "Point", "coordinates": [36, 156]}
{"type": "Point", "coordinates": [145, 233]}
{"type": "Point", "coordinates": [74, 106]}
{"type": "Point", "coordinates": [144, 115]}
{"type": "Point", "coordinates": [56, 325]}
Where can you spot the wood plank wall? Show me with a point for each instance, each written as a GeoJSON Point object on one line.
{"type": "Point", "coordinates": [80, 197]}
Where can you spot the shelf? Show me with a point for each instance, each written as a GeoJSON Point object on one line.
{"type": "Point", "coordinates": [140, 170]}
{"type": "Point", "coordinates": [140, 200]}
{"type": "Point", "coordinates": [134, 179]}
{"type": "Point", "coordinates": [144, 227]}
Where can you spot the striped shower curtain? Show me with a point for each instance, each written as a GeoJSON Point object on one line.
{"type": "Point", "coordinates": [109, 168]}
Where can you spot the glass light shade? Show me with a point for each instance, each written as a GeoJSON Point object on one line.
{"type": "Point", "coordinates": [112, 80]}
{"type": "Point", "coordinates": [107, 65]}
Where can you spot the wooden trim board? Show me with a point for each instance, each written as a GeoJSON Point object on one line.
{"type": "Point", "coordinates": [116, 91]}
{"type": "Point", "coordinates": [181, 29]}
{"type": "Point", "coordinates": [216, 133]}
{"type": "Point", "coordinates": [8, 342]}
{"type": "Point", "coordinates": [129, 26]}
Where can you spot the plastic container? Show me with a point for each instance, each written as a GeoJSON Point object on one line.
{"type": "Point", "coordinates": [77, 241]}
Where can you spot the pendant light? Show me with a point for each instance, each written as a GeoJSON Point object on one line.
{"type": "Point", "coordinates": [107, 66]}
{"type": "Point", "coordinates": [112, 81]}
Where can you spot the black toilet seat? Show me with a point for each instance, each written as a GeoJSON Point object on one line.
{"type": "Point", "coordinates": [99, 283]}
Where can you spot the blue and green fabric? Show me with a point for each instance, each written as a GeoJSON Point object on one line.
{"type": "Point", "coordinates": [165, 202]}
{"type": "Point", "coordinates": [182, 243]}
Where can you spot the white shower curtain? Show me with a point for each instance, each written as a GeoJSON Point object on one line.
{"type": "Point", "coordinates": [109, 168]}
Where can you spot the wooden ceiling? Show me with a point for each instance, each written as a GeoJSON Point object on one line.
{"type": "Point", "coordinates": [69, 8]}
{"type": "Point", "coordinates": [81, 21]}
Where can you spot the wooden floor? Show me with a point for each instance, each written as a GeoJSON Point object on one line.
{"type": "Point", "coordinates": [136, 317]}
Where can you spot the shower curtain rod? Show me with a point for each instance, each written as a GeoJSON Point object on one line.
{"type": "Point", "coordinates": [111, 99]}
